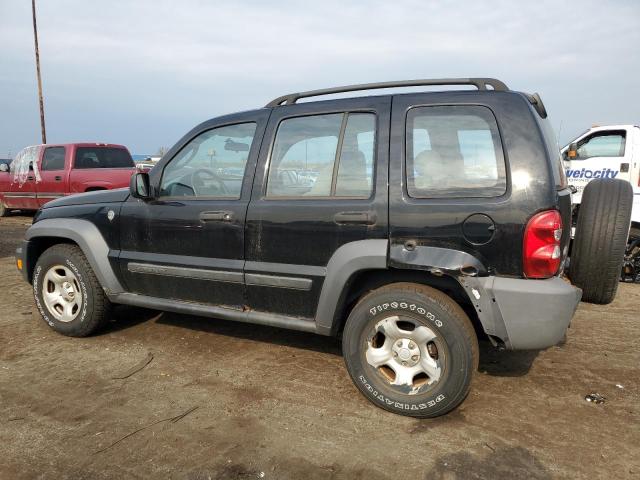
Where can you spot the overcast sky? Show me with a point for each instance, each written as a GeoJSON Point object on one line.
{"type": "Point", "coordinates": [142, 73]}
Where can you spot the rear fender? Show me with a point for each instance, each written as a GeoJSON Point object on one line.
{"type": "Point", "coordinates": [359, 256]}
{"type": "Point", "coordinates": [436, 260]}
{"type": "Point", "coordinates": [463, 267]}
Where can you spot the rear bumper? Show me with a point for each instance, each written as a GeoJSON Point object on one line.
{"type": "Point", "coordinates": [524, 314]}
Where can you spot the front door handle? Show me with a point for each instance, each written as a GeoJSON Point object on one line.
{"type": "Point", "coordinates": [216, 216]}
{"type": "Point", "coordinates": [58, 178]}
{"type": "Point", "coordinates": [356, 218]}
{"type": "Point", "coordinates": [30, 177]}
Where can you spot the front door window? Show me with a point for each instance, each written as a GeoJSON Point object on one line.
{"type": "Point", "coordinates": [605, 144]}
{"type": "Point", "coordinates": [212, 165]}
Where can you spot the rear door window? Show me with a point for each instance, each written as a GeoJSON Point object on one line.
{"type": "Point", "coordinates": [323, 156]}
{"type": "Point", "coordinates": [453, 152]}
{"type": "Point", "coordinates": [102, 157]}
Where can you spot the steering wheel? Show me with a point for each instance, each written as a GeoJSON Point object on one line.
{"type": "Point", "coordinates": [198, 177]}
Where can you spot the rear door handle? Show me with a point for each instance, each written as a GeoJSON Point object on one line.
{"type": "Point", "coordinates": [216, 216]}
{"type": "Point", "coordinates": [30, 177]}
{"type": "Point", "coordinates": [357, 218]}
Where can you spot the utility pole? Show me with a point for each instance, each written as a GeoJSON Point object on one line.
{"type": "Point", "coordinates": [35, 36]}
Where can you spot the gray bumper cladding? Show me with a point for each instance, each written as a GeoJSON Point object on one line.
{"type": "Point", "coordinates": [21, 254]}
{"type": "Point", "coordinates": [525, 314]}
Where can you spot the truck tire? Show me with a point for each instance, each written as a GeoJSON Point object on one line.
{"type": "Point", "coordinates": [600, 240]}
{"type": "Point", "coordinates": [631, 265]}
{"type": "Point", "coordinates": [411, 350]}
{"type": "Point", "coordinates": [67, 292]}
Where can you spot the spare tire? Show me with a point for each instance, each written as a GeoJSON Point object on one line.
{"type": "Point", "coordinates": [600, 240]}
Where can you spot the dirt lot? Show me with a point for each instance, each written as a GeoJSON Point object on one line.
{"type": "Point", "coordinates": [271, 403]}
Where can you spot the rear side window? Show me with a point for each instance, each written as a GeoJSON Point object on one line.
{"type": "Point", "coordinates": [323, 156]}
{"type": "Point", "coordinates": [453, 152]}
{"type": "Point", "coordinates": [53, 159]}
{"type": "Point", "coordinates": [102, 157]}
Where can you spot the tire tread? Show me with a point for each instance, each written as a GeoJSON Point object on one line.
{"type": "Point", "coordinates": [601, 238]}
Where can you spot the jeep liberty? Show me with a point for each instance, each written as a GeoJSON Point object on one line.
{"type": "Point", "coordinates": [408, 224]}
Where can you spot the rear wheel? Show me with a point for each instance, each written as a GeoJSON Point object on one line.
{"type": "Point", "coordinates": [601, 238]}
{"type": "Point", "coordinates": [67, 292]}
{"type": "Point", "coordinates": [411, 350]}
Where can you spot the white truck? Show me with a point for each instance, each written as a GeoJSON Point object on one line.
{"type": "Point", "coordinates": [609, 151]}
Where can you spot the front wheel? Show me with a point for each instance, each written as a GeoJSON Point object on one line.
{"type": "Point", "coordinates": [410, 349]}
{"type": "Point", "coordinates": [67, 292]}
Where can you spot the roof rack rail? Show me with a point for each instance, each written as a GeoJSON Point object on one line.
{"type": "Point", "coordinates": [479, 83]}
{"type": "Point", "coordinates": [536, 101]}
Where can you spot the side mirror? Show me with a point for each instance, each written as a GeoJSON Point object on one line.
{"type": "Point", "coordinates": [572, 152]}
{"type": "Point", "coordinates": [4, 167]}
{"type": "Point", "coordinates": [139, 186]}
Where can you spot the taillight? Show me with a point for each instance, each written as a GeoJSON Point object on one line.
{"type": "Point", "coordinates": [542, 253]}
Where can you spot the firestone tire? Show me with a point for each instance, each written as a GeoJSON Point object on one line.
{"type": "Point", "coordinates": [429, 333]}
{"type": "Point", "coordinates": [600, 240]}
{"type": "Point", "coordinates": [67, 292]}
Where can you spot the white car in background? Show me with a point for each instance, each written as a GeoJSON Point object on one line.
{"type": "Point", "coordinates": [609, 151]}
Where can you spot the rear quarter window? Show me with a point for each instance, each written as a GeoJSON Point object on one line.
{"type": "Point", "coordinates": [551, 142]}
{"type": "Point", "coordinates": [102, 157]}
{"type": "Point", "coordinates": [454, 152]}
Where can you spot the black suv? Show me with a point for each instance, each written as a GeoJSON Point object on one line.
{"type": "Point", "coordinates": [409, 224]}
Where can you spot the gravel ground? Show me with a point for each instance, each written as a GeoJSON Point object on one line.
{"type": "Point", "coordinates": [267, 403]}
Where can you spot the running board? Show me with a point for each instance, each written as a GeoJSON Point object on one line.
{"type": "Point", "coordinates": [189, 308]}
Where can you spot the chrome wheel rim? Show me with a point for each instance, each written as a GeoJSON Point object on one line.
{"type": "Point", "coordinates": [61, 293]}
{"type": "Point", "coordinates": [409, 356]}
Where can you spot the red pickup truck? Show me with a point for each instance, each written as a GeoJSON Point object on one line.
{"type": "Point", "coordinates": [44, 172]}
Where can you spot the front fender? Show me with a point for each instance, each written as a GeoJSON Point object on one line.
{"type": "Point", "coordinates": [87, 236]}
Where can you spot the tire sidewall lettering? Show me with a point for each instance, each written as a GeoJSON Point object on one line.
{"type": "Point", "coordinates": [379, 397]}
{"type": "Point", "coordinates": [411, 307]}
